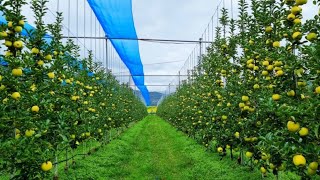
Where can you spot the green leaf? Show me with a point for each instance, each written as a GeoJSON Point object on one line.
{"type": "Point", "coordinates": [65, 139]}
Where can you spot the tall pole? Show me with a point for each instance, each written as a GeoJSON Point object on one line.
{"type": "Point", "coordinates": [69, 18]}
{"type": "Point", "coordinates": [200, 55]}
{"type": "Point", "coordinates": [95, 41]}
{"type": "Point", "coordinates": [107, 60]}
{"type": "Point", "coordinates": [129, 82]}
{"type": "Point", "coordinates": [77, 19]}
{"type": "Point", "coordinates": [179, 79]}
{"type": "Point", "coordinates": [119, 70]}
{"type": "Point", "coordinates": [84, 29]}
{"type": "Point", "coordinates": [58, 6]}
{"type": "Point", "coordinates": [200, 48]}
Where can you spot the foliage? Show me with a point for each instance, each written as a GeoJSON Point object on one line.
{"type": "Point", "coordinates": [258, 90]}
{"type": "Point", "coordinates": [50, 99]}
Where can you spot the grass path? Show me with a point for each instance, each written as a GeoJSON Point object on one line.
{"type": "Point", "coordinates": [153, 149]}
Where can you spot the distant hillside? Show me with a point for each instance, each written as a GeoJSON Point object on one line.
{"type": "Point", "coordinates": [154, 97]}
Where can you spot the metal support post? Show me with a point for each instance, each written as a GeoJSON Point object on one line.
{"type": "Point", "coordinates": [179, 79]}
{"type": "Point", "coordinates": [200, 55]}
{"type": "Point", "coordinates": [107, 56]}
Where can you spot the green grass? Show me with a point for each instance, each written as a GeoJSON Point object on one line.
{"type": "Point", "coordinates": [153, 149]}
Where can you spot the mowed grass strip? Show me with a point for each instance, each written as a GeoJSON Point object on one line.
{"type": "Point", "coordinates": [153, 149]}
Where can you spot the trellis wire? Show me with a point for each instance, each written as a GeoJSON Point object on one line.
{"type": "Point", "coordinates": [193, 60]}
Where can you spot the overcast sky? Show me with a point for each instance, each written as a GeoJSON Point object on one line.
{"type": "Point", "coordinates": [159, 19]}
{"type": "Point", "coordinates": [169, 19]}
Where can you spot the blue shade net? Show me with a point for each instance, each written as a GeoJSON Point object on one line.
{"type": "Point", "coordinates": [27, 28]}
{"type": "Point", "coordinates": [116, 19]}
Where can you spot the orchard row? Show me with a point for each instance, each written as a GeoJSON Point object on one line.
{"type": "Point", "coordinates": [258, 91]}
{"type": "Point", "coordinates": [50, 98]}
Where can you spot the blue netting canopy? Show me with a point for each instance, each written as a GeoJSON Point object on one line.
{"type": "Point", "coordinates": [117, 22]}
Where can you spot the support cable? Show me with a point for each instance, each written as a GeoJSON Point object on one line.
{"type": "Point", "coordinates": [171, 41]}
